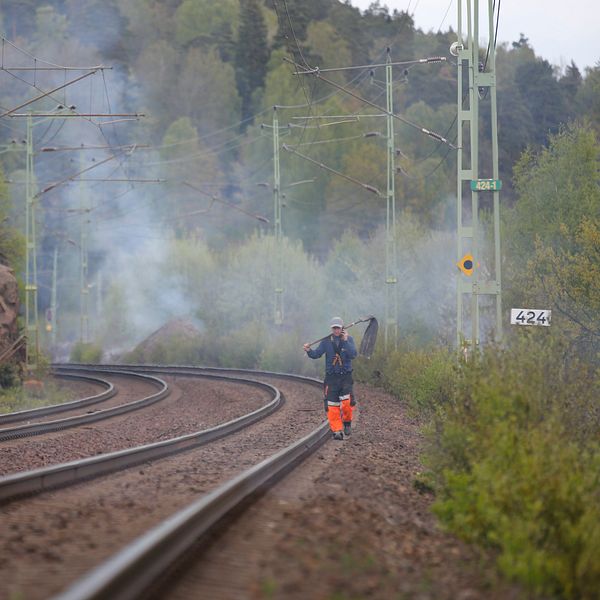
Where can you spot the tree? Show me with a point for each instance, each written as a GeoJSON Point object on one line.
{"type": "Point", "coordinates": [328, 46]}
{"type": "Point", "coordinates": [552, 239]}
{"type": "Point", "coordinates": [12, 243]}
{"type": "Point", "coordinates": [186, 159]}
{"type": "Point", "coordinates": [98, 23]}
{"type": "Point", "coordinates": [541, 93]}
{"type": "Point", "coordinates": [207, 23]}
{"type": "Point", "coordinates": [252, 55]}
{"type": "Point", "coordinates": [206, 91]}
{"type": "Point", "coordinates": [568, 278]}
{"type": "Point", "coordinates": [588, 96]}
{"type": "Point", "coordinates": [569, 84]}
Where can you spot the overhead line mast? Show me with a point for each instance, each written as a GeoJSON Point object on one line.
{"type": "Point", "coordinates": [277, 223]}
{"type": "Point", "coordinates": [391, 255]}
{"type": "Point", "coordinates": [480, 80]}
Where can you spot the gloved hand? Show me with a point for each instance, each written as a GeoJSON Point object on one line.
{"type": "Point", "coordinates": [326, 406]}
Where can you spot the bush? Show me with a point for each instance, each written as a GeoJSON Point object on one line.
{"type": "Point", "coordinates": [515, 455]}
{"type": "Point", "coordinates": [423, 378]}
{"type": "Point", "coordinates": [86, 353]}
{"type": "Point", "coordinates": [9, 376]}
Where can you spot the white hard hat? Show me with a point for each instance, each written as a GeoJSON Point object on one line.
{"type": "Point", "coordinates": [337, 322]}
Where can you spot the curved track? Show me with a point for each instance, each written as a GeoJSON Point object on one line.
{"type": "Point", "coordinates": [170, 538]}
{"type": "Point", "coordinates": [63, 474]}
{"type": "Point", "coordinates": [35, 413]}
{"type": "Point", "coordinates": [134, 569]}
{"type": "Point", "coordinates": [30, 429]}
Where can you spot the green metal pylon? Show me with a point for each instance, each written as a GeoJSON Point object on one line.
{"type": "Point", "coordinates": [84, 331]}
{"type": "Point", "coordinates": [278, 231]}
{"type": "Point", "coordinates": [53, 299]}
{"type": "Point", "coordinates": [31, 297]}
{"type": "Point", "coordinates": [391, 276]}
{"type": "Point", "coordinates": [480, 81]}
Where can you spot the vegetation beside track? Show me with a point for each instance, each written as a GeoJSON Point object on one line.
{"type": "Point", "coordinates": [514, 433]}
{"type": "Point", "coordinates": [513, 454]}
{"type": "Point", "coordinates": [44, 393]}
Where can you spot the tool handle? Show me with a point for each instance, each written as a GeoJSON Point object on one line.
{"type": "Point", "coordinates": [361, 320]}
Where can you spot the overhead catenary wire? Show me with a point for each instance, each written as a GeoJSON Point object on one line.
{"type": "Point", "coordinates": [487, 54]}
{"type": "Point", "coordinates": [368, 134]}
{"type": "Point", "coordinates": [291, 26]}
{"type": "Point", "coordinates": [45, 94]}
{"type": "Point", "coordinates": [54, 66]}
{"type": "Point", "coordinates": [445, 15]}
{"type": "Point", "coordinates": [70, 178]}
{"type": "Point", "coordinates": [50, 94]}
{"type": "Point", "coordinates": [322, 165]}
{"type": "Point", "coordinates": [416, 61]}
{"type": "Point", "coordinates": [400, 118]}
{"type": "Point", "coordinates": [229, 204]}
{"type": "Point", "coordinates": [219, 150]}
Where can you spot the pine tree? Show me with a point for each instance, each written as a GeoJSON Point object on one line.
{"type": "Point", "coordinates": [252, 54]}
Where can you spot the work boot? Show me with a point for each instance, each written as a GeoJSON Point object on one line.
{"type": "Point", "coordinates": [338, 435]}
{"type": "Point", "coordinates": [347, 428]}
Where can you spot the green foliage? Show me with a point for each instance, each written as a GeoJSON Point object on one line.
{"type": "Point", "coordinates": [515, 456]}
{"type": "Point", "coordinates": [17, 397]}
{"type": "Point", "coordinates": [423, 378]}
{"type": "Point", "coordinates": [553, 244]}
{"type": "Point", "coordinates": [205, 21]}
{"type": "Point", "coordinates": [588, 96]}
{"type": "Point", "coordinates": [86, 353]}
{"type": "Point", "coordinates": [283, 353]}
{"type": "Point", "coordinates": [535, 80]}
{"type": "Point", "coordinates": [9, 376]}
{"type": "Point", "coordinates": [328, 46]}
{"type": "Point", "coordinates": [252, 54]}
{"type": "Point", "coordinates": [11, 240]}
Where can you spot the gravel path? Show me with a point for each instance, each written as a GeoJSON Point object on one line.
{"type": "Point", "coordinates": [348, 524]}
{"type": "Point", "coordinates": [58, 536]}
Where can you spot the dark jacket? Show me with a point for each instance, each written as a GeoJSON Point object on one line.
{"type": "Point", "coordinates": [347, 351]}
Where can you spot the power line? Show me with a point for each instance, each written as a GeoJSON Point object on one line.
{"type": "Point", "coordinates": [404, 120]}
{"type": "Point", "coordinates": [321, 165]}
{"type": "Point", "coordinates": [445, 15]}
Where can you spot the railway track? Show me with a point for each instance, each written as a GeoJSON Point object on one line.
{"type": "Point", "coordinates": [30, 429]}
{"type": "Point", "coordinates": [154, 551]}
{"type": "Point", "coordinates": [38, 480]}
{"type": "Point", "coordinates": [35, 413]}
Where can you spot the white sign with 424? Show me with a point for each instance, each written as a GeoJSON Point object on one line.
{"type": "Point", "coordinates": [530, 316]}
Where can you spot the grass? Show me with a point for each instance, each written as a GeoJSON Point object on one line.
{"type": "Point", "coordinates": [18, 398]}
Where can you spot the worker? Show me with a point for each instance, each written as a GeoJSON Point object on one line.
{"type": "Point", "coordinates": [339, 350]}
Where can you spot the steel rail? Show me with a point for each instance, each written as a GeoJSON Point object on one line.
{"type": "Point", "coordinates": [184, 370]}
{"type": "Point", "coordinates": [34, 413]}
{"type": "Point", "coordinates": [136, 567]}
{"type": "Point", "coordinates": [59, 424]}
{"type": "Point", "coordinates": [39, 480]}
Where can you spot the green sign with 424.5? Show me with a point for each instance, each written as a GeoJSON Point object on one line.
{"type": "Point", "coordinates": [486, 185]}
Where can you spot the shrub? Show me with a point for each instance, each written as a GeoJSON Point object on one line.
{"type": "Point", "coordinates": [423, 378]}
{"type": "Point", "coordinates": [514, 455]}
{"type": "Point", "coordinates": [9, 376]}
{"type": "Point", "coordinates": [86, 353]}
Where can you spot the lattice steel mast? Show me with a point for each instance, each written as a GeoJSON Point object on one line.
{"type": "Point", "coordinates": [480, 81]}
